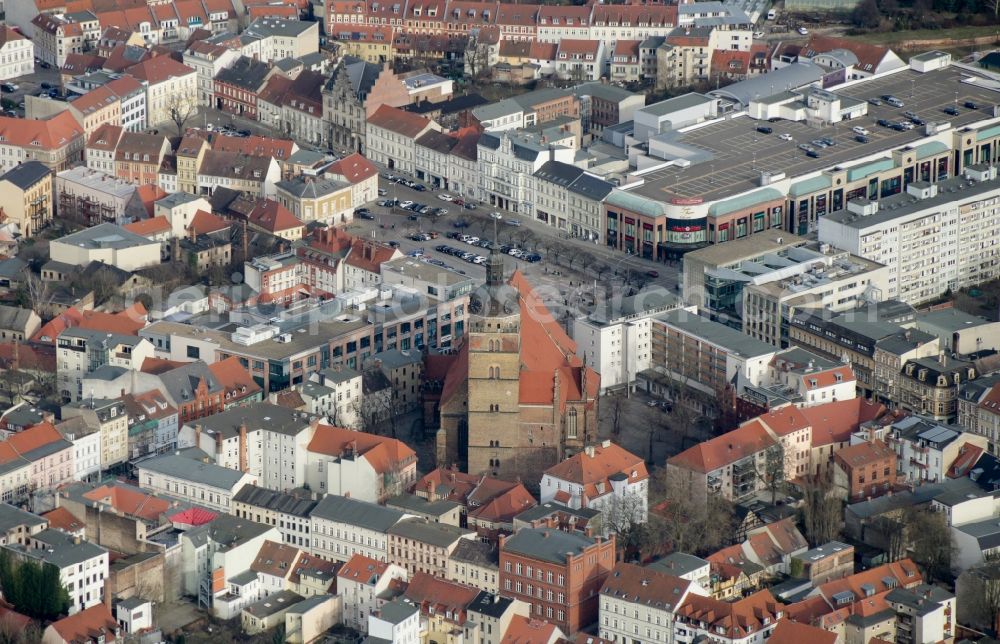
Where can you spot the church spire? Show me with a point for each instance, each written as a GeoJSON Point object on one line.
{"type": "Point", "coordinates": [494, 266]}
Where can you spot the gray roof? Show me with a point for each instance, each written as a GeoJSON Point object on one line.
{"type": "Point", "coordinates": [263, 27]}
{"type": "Point", "coordinates": [821, 552]}
{"type": "Point", "coordinates": [309, 603]}
{"type": "Point", "coordinates": [906, 499]}
{"type": "Point", "coordinates": [274, 603]}
{"type": "Point", "coordinates": [543, 510]}
{"type": "Point", "coordinates": [717, 333]}
{"type": "Point", "coordinates": [497, 110]}
{"type": "Point", "coordinates": [188, 469]}
{"type": "Point", "coordinates": [396, 358]}
{"type": "Point", "coordinates": [11, 517]}
{"type": "Point", "coordinates": [490, 605]}
{"type": "Point", "coordinates": [104, 235]}
{"type": "Point", "coordinates": [574, 179]}
{"type": "Point", "coordinates": [131, 603]}
{"type": "Point", "coordinates": [283, 502]}
{"type": "Point", "coordinates": [227, 531]}
{"type": "Point", "coordinates": [420, 505]}
{"type": "Point", "coordinates": [904, 341]}
{"type": "Point", "coordinates": [244, 578]}
{"type": "Point", "coordinates": [13, 317]}
{"type": "Point", "coordinates": [986, 532]}
{"type": "Point", "coordinates": [182, 382]}
{"type": "Point", "coordinates": [342, 509]}
{"type": "Point", "coordinates": [547, 544]}
{"type": "Point", "coordinates": [476, 553]}
{"type": "Point", "coordinates": [783, 79]}
{"type": "Point", "coordinates": [311, 187]}
{"type": "Point", "coordinates": [246, 73]}
{"type": "Point", "coordinates": [944, 322]}
{"type": "Point", "coordinates": [61, 550]}
{"type": "Point", "coordinates": [671, 105]}
{"type": "Point", "coordinates": [678, 564]}
{"type": "Point", "coordinates": [26, 174]}
{"type": "Point", "coordinates": [177, 199]}
{"type": "Point", "coordinates": [12, 267]}
{"type": "Point", "coordinates": [603, 91]}
{"type": "Point", "coordinates": [439, 535]}
{"type": "Point", "coordinates": [261, 415]}
{"type": "Point", "coordinates": [397, 611]}
{"type": "Point", "coordinates": [540, 96]}
{"type": "Point", "coordinates": [923, 598]}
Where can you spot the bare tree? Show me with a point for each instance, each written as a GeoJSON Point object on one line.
{"type": "Point", "coordinates": [772, 469]}
{"type": "Point", "coordinates": [616, 409]}
{"type": "Point", "coordinates": [477, 59]}
{"type": "Point", "coordinates": [688, 519]}
{"type": "Point", "coordinates": [180, 108]}
{"type": "Point", "coordinates": [625, 516]}
{"type": "Point", "coordinates": [978, 591]}
{"type": "Point", "coordinates": [37, 293]}
{"type": "Point", "coordinates": [892, 530]}
{"type": "Point", "coordinates": [932, 544]}
{"type": "Point", "coordinates": [822, 513]}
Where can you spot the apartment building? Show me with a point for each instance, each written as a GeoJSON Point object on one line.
{"type": "Point", "coordinates": [111, 421]}
{"type": "Point", "coordinates": [424, 546]}
{"type": "Point", "coordinates": [507, 162]}
{"type": "Point", "coordinates": [236, 86]}
{"type": "Point", "coordinates": [390, 137]}
{"type": "Point", "coordinates": [928, 235]}
{"type": "Point", "coordinates": [317, 199]}
{"type": "Point", "coordinates": [170, 86]}
{"type": "Point", "coordinates": [205, 484]}
{"type": "Point", "coordinates": [56, 141]}
{"type": "Point", "coordinates": [558, 574]}
{"type": "Point", "coordinates": [27, 194]}
{"type": "Point", "coordinates": [94, 197]}
{"type": "Point", "coordinates": [357, 464]}
{"type": "Point", "coordinates": [602, 477]}
{"type": "Point", "coordinates": [81, 351]}
{"type": "Point", "coordinates": [17, 54]}
{"type": "Point", "coordinates": [641, 601]}
{"type": "Point", "coordinates": [925, 450]}
{"type": "Point", "coordinates": [83, 566]}
{"type": "Point", "coordinates": [705, 355]}
{"type": "Point", "coordinates": [362, 582]}
{"type": "Point", "coordinates": [267, 441]}
{"type": "Point", "coordinates": [56, 36]}
{"type": "Point", "coordinates": [343, 527]}
{"type": "Point", "coordinates": [979, 409]}
{"type": "Point", "coordinates": [255, 175]}
{"type": "Point", "coordinates": [287, 511]}
{"type": "Point", "coordinates": [930, 386]}
{"type": "Point", "coordinates": [864, 470]}
{"type": "Point", "coordinates": [208, 59]}
{"type": "Point", "coordinates": [139, 155]}
{"type": "Point", "coordinates": [274, 39]}
{"type": "Point", "coordinates": [570, 199]}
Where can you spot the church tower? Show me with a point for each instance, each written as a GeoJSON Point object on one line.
{"type": "Point", "coordinates": [494, 337]}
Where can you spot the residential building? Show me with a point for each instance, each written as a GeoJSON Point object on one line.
{"type": "Point", "coordinates": [83, 566]}
{"type": "Point", "coordinates": [477, 564]}
{"type": "Point", "coordinates": [630, 588]}
{"type": "Point", "coordinates": [312, 199]}
{"type": "Point", "coordinates": [171, 86]}
{"type": "Point", "coordinates": [979, 409]}
{"type": "Point", "coordinates": [424, 546]}
{"type": "Point", "coordinates": [92, 196]}
{"type": "Point", "coordinates": [507, 162]}
{"type": "Point", "coordinates": [206, 484]}
{"type": "Point", "coordinates": [208, 59]}
{"type": "Point", "coordinates": [357, 464]}
{"type": "Point", "coordinates": [80, 626]}
{"type": "Point", "coordinates": [570, 199]}
{"type": "Point", "coordinates": [56, 36]}
{"type": "Point", "coordinates": [397, 621]}
{"type": "Point", "coordinates": [745, 620]}
{"type": "Point", "coordinates": [287, 511]}
{"type": "Point", "coordinates": [81, 351]}
{"type": "Point", "coordinates": [363, 583]}
{"type": "Point", "coordinates": [17, 54]}
{"type": "Point", "coordinates": [27, 195]}
{"type": "Point", "coordinates": [864, 470]}
{"type": "Point", "coordinates": [272, 39]}
{"type": "Point", "coordinates": [334, 393]}
{"type": "Point", "coordinates": [929, 386]}
{"type": "Point", "coordinates": [97, 107]}
{"type": "Point", "coordinates": [343, 527]}
{"type": "Point", "coordinates": [926, 450]}
{"type": "Point", "coordinates": [264, 440]}
{"type": "Point", "coordinates": [236, 86]}
{"type": "Point", "coordinates": [603, 477]}
{"type": "Point", "coordinates": [111, 421]}
{"type": "Point", "coordinates": [580, 60]}
{"type": "Point", "coordinates": [254, 175]}
{"type": "Point", "coordinates": [390, 136]}
{"type": "Point", "coordinates": [139, 155]}
{"type": "Point", "coordinates": [557, 573]}
{"type": "Point", "coordinates": [832, 560]}
{"type": "Point", "coordinates": [152, 423]}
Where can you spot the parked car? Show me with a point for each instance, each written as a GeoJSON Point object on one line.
{"type": "Point", "coordinates": [759, 35]}
{"type": "Point", "coordinates": [652, 274]}
{"type": "Point", "coordinates": [884, 122]}
{"type": "Point", "coordinates": [918, 121]}
{"type": "Point", "coordinates": [861, 138]}
{"type": "Point", "coordinates": [875, 101]}
{"type": "Point", "coordinates": [365, 215]}
{"type": "Point", "coordinates": [445, 197]}
{"type": "Point", "coordinates": [469, 205]}
{"type": "Point", "coordinates": [950, 110]}
{"type": "Point", "coordinates": [785, 136]}
{"type": "Point", "coordinates": [513, 222]}
{"type": "Point", "coordinates": [405, 204]}
{"type": "Point", "coordinates": [819, 143]}
{"type": "Point", "coordinates": [857, 129]}
{"type": "Point", "coordinates": [910, 115]}
{"type": "Point", "coordinates": [419, 187]}
{"type": "Point", "coordinates": [804, 147]}
{"type": "Point", "coordinates": [971, 105]}
{"type": "Point", "coordinates": [46, 85]}
{"type": "Point", "coordinates": [763, 129]}
{"type": "Point", "coordinates": [461, 223]}
{"type": "Point", "coordinates": [803, 31]}
{"type": "Point", "coordinates": [382, 192]}
{"type": "Point", "coordinates": [812, 153]}
{"type": "Point", "coordinates": [495, 215]}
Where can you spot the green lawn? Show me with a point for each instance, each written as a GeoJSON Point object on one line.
{"type": "Point", "coordinates": [957, 34]}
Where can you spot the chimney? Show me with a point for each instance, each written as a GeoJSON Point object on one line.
{"type": "Point", "coordinates": [943, 359]}
{"type": "Point", "coordinates": [218, 444]}
{"type": "Point", "coordinates": [197, 435]}
{"type": "Point", "coordinates": [431, 492]}
{"type": "Point", "coordinates": [243, 447]}
{"type": "Point", "coordinates": [193, 234]}
{"type": "Point", "coordinates": [589, 451]}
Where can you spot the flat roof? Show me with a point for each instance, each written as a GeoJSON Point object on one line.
{"type": "Point", "coordinates": [731, 143]}
{"type": "Point", "coordinates": [763, 243]}
{"type": "Point", "coordinates": [733, 341]}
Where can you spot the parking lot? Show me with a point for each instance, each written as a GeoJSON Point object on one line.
{"type": "Point", "coordinates": [739, 153]}
{"type": "Point", "coordinates": [29, 85]}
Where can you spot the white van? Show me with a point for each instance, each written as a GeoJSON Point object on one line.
{"type": "Point", "coordinates": [860, 130]}
{"type": "Point", "coordinates": [772, 14]}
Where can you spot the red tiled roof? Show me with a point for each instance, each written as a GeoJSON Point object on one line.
{"type": "Point", "coordinates": [27, 357]}
{"type": "Point", "coordinates": [869, 55]}
{"type": "Point", "coordinates": [382, 453]}
{"type": "Point", "coordinates": [904, 574]}
{"type": "Point", "coordinates": [64, 520]}
{"type": "Point", "coordinates": [11, 619]}
{"type": "Point", "coordinates": [733, 620]}
{"type": "Point", "coordinates": [789, 632]}
{"type": "Point", "coordinates": [129, 500]}
{"type": "Point", "coordinates": [362, 569]}
{"type": "Point", "coordinates": [204, 223]}
{"type": "Point", "coordinates": [467, 489]}
{"type": "Point", "coordinates": [254, 146]}
{"type": "Point", "coordinates": [596, 464]}
{"type": "Point", "coordinates": [354, 168]}
{"type": "Point", "coordinates": [720, 451]}
{"type": "Point", "coordinates": [149, 227]}
{"type": "Point", "coordinates": [87, 625]}
{"type": "Point", "coordinates": [834, 422]}
{"type": "Point", "coordinates": [234, 377]}
{"type": "Point", "coordinates": [579, 46]}
{"type": "Point", "coordinates": [400, 121]}
{"type": "Point", "coordinates": [53, 133]}
{"type": "Point", "coordinates": [369, 256]}
{"type": "Point", "coordinates": [437, 596]}
{"type": "Point", "coordinates": [863, 454]}
{"type": "Point", "coordinates": [635, 14]}
{"type": "Point", "coordinates": [275, 559]}
{"type": "Point", "coordinates": [192, 517]}
{"type": "Point", "coordinates": [968, 455]}
{"type": "Point", "coordinates": [34, 437]}
{"type": "Point", "coordinates": [273, 217]}
{"type": "Point", "coordinates": [524, 630]}
{"type": "Point", "coordinates": [728, 61]}
{"type": "Point", "coordinates": [505, 506]}
{"type": "Point", "coordinates": [156, 70]}
{"type": "Point", "coordinates": [644, 585]}
{"type": "Point", "coordinates": [543, 51]}
{"type": "Point", "coordinates": [627, 48]}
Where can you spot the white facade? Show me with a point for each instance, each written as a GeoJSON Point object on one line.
{"type": "Point", "coordinates": [96, 187]}
{"type": "Point", "coordinates": [406, 630]}
{"type": "Point", "coordinates": [506, 168]}
{"type": "Point", "coordinates": [626, 618]}
{"type": "Point", "coordinates": [17, 58]}
{"type": "Point", "coordinates": [86, 453]}
{"type": "Point", "coordinates": [191, 485]}
{"type": "Point", "coordinates": [206, 66]}
{"type": "Point", "coordinates": [943, 229]}
{"type": "Point", "coordinates": [162, 96]}
{"type": "Point", "coordinates": [83, 566]}
{"type": "Point", "coordinates": [360, 583]}
{"type": "Point", "coordinates": [343, 527]}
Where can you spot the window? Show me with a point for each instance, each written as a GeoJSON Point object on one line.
{"type": "Point", "coordinates": [571, 424]}
{"type": "Point", "coordinates": [193, 352]}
